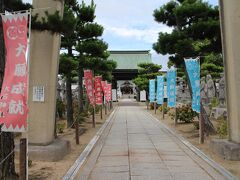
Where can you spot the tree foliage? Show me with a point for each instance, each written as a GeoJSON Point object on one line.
{"type": "Point", "coordinates": [196, 31]}
{"type": "Point", "coordinates": [146, 71]}
{"type": "Point", "coordinates": [213, 65]}
{"type": "Point", "coordinates": [84, 37]}
{"type": "Point", "coordinates": [68, 65]}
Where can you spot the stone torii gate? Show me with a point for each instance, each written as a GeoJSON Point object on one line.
{"type": "Point", "coordinates": [43, 67]}
{"type": "Point", "coordinates": [230, 28]}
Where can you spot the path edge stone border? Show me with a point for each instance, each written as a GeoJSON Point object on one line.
{"type": "Point", "coordinates": [198, 152]}
{"type": "Point", "coordinates": [71, 173]}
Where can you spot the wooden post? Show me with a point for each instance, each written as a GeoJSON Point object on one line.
{"type": "Point", "coordinates": [155, 107]}
{"type": "Point", "coordinates": [111, 104]}
{"type": "Point", "coordinates": [101, 111]}
{"type": "Point", "coordinates": [23, 159]}
{"type": "Point", "coordinates": [175, 119]}
{"type": "Point", "coordinates": [77, 132]}
{"type": "Point", "coordinates": [93, 117]}
{"type": "Point", "coordinates": [201, 127]}
{"type": "Point", "coordinates": [105, 108]}
{"type": "Point", "coordinates": [163, 110]}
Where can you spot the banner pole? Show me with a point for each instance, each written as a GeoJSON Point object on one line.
{"type": "Point", "coordinates": [28, 64]}
{"type": "Point", "coordinates": [23, 175]}
{"type": "Point", "coordinates": [163, 106]}
{"type": "Point", "coordinates": [175, 119]}
{"type": "Point", "coordinates": [155, 107]}
{"type": "Point", "coordinates": [105, 106]}
{"type": "Point", "coordinates": [201, 126]}
{"type": "Point", "coordinates": [93, 117]}
{"type": "Point", "coordinates": [77, 132]}
{"type": "Point", "coordinates": [94, 95]}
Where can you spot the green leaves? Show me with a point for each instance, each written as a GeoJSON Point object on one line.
{"type": "Point", "coordinates": [212, 64]}
{"type": "Point", "coordinates": [87, 12]}
{"type": "Point", "coordinates": [92, 47]}
{"type": "Point", "coordinates": [165, 14]}
{"type": "Point", "coordinates": [90, 30]}
{"type": "Point", "coordinates": [16, 5]}
{"type": "Point", "coordinates": [184, 113]}
{"type": "Point", "coordinates": [196, 30]}
{"type": "Point", "coordinates": [92, 50]}
{"type": "Point", "coordinates": [147, 71]}
{"type": "Point", "coordinates": [67, 65]}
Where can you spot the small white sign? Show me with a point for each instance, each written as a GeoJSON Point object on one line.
{"type": "Point", "coordinates": [38, 93]}
{"type": "Point", "coordinates": [143, 96]}
{"type": "Point", "coordinates": [114, 95]}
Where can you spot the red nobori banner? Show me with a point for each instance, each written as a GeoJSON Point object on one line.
{"type": "Point", "coordinates": [109, 92]}
{"type": "Point", "coordinates": [98, 90]}
{"type": "Point", "coordinates": [13, 98]}
{"type": "Point", "coordinates": [88, 78]}
{"type": "Point", "coordinates": [104, 88]}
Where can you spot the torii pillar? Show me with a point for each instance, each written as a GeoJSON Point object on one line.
{"type": "Point", "coordinates": [230, 28]}
{"type": "Point", "coordinates": [44, 61]}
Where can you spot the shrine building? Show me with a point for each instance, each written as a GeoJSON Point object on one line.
{"type": "Point", "coordinates": [127, 70]}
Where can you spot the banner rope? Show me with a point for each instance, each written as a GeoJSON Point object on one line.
{"type": "Point", "coordinates": [25, 11]}
{"type": "Point", "coordinates": [6, 157]}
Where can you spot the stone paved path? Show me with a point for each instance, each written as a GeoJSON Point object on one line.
{"type": "Point", "coordinates": [135, 146]}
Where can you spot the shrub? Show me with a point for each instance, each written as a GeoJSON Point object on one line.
{"type": "Point", "coordinates": [214, 103]}
{"type": "Point", "coordinates": [222, 129]}
{"type": "Point", "coordinates": [196, 125]}
{"type": "Point", "coordinates": [60, 106]}
{"type": "Point", "coordinates": [77, 116]}
{"type": "Point", "coordinates": [97, 108]}
{"type": "Point", "coordinates": [151, 105]}
{"type": "Point", "coordinates": [80, 118]}
{"type": "Point", "coordinates": [60, 128]}
{"type": "Point", "coordinates": [184, 113]}
{"type": "Point", "coordinates": [166, 109]}
{"type": "Point", "coordinates": [30, 163]}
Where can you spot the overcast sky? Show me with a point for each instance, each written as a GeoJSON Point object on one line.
{"type": "Point", "coordinates": [129, 24]}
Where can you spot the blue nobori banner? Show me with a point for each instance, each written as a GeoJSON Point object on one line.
{"type": "Point", "coordinates": [152, 90]}
{"type": "Point", "coordinates": [193, 70]}
{"type": "Point", "coordinates": [171, 87]}
{"type": "Point", "coordinates": [160, 89]}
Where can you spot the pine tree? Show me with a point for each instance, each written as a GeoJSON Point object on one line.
{"type": "Point", "coordinates": [92, 50]}
{"type": "Point", "coordinates": [146, 72]}
{"type": "Point", "coordinates": [68, 61]}
{"type": "Point", "coordinates": [67, 68]}
{"type": "Point", "coordinates": [196, 32]}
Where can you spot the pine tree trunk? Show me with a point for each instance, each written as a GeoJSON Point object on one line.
{"type": "Point", "coordinates": [80, 88]}
{"type": "Point", "coordinates": [69, 101]}
{"type": "Point", "coordinates": [7, 168]}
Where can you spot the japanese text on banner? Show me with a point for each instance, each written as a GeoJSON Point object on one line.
{"type": "Point", "coordinates": [108, 92]}
{"type": "Point", "coordinates": [171, 88]}
{"type": "Point", "coordinates": [160, 89]}
{"type": "Point", "coordinates": [13, 101]}
{"type": "Point", "coordinates": [98, 90]}
{"type": "Point", "coordinates": [104, 88]}
{"type": "Point", "coordinates": [88, 78]}
{"type": "Point", "coordinates": [193, 70]}
{"type": "Point", "coordinates": [152, 90]}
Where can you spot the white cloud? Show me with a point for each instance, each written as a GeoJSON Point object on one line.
{"type": "Point", "coordinates": [148, 35]}
{"type": "Point", "coordinates": [27, 1]}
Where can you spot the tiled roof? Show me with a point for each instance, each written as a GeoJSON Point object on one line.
{"type": "Point", "coordinates": [130, 59]}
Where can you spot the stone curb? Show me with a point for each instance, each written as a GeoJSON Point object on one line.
{"type": "Point", "coordinates": [71, 173]}
{"type": "Point", "coordinates": [198, 152]}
